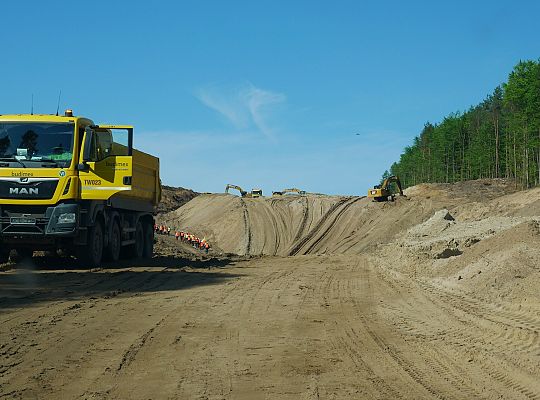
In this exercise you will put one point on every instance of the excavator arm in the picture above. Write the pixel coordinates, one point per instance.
(382, 192)
(243, 193)
(391, 179)
(398, 183)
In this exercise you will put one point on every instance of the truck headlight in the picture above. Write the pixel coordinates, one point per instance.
(67, 218)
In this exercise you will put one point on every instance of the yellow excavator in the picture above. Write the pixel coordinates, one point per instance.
(255, 193)
(384, 192)
(292, 190)
(243, 193)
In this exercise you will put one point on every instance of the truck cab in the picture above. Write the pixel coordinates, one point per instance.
(67, 183)
(256, 193)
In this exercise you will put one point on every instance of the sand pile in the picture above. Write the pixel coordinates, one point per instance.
(267, 226)
(174, 197)
(445, 233)
(296, 225)
(506, 264)
(441, 236)
(486, 249)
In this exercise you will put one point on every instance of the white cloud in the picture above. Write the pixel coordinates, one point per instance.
(231, 108)
(245, 107)
(170, 142)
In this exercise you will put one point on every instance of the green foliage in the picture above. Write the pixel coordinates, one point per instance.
(385, 175)
(499, 137)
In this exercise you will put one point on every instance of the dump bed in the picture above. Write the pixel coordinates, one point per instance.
(146, 185)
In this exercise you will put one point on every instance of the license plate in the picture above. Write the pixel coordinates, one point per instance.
(22, 221)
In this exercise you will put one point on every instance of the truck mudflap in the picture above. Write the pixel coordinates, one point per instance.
(58, 221)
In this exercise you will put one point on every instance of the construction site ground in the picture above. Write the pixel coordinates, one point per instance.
(433, 296)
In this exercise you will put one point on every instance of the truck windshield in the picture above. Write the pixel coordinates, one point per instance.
(36, 144)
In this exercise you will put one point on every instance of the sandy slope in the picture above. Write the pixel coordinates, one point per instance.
(313, 224)
(435, 296)
(293, 225)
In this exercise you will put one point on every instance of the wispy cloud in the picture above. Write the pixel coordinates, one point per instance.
(226, 105)
(245, 107)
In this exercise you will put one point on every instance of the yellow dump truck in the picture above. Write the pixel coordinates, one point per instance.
(256, 193)
(69, 184)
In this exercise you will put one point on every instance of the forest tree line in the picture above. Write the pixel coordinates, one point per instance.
(498, 138)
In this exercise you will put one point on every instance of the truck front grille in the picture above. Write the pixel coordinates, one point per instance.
(28, 188)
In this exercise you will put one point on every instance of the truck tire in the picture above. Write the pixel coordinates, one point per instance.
(4, 256)
(148, 250)
(91, 254)
(112, 251)
(23, 254)
(139, 241)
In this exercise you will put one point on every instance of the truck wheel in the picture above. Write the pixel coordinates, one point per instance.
(23, 254)
(148, 250)
(113, 249)
(92, 253)
(139, 240)
(4, 256)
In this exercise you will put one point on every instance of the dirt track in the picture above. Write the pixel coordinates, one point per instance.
(387, 322)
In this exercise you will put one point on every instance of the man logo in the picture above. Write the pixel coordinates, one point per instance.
(24, 191)
(24, 180)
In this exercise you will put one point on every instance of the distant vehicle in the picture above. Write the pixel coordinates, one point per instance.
(255, 193)
(292, 190)
(243, 193)
(384, 191)
(69, 184)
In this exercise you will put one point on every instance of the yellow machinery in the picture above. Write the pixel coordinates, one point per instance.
(243, 193)
(292, 190)
(67, 183)
(255, 193)
(383, 191)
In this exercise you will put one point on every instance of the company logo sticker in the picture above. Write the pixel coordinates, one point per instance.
(23, 191)
(62, 173)
(19, 174)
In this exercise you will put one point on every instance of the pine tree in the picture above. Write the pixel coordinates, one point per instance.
(500, 137)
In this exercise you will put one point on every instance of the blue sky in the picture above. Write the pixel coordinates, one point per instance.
(271, 94)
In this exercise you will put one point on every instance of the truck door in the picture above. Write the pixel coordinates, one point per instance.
(107, 161)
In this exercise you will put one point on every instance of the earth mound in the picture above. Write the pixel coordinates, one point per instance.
(429, 219)
(174, 197)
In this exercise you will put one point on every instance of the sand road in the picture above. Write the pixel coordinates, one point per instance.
(332, 327)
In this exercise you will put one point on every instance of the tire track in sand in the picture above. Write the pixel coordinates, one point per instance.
(304, 221)
(473, 332)
(334, 222)
(296, 248)
(247, 226)
(432, 363)
(333, 215)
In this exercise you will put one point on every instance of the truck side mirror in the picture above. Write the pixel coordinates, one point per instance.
(88, 139)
